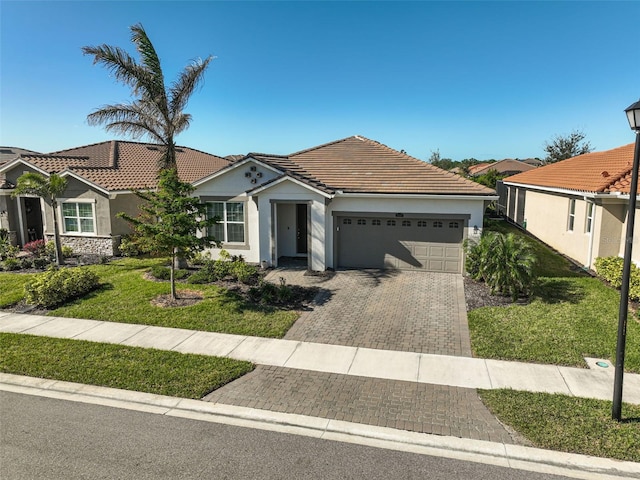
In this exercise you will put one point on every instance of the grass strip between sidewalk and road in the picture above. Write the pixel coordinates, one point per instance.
(129, 368)
(568, 424)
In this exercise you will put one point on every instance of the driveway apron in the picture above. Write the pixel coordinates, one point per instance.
(407, 311)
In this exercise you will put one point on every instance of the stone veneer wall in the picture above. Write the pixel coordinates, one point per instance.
(91, 245)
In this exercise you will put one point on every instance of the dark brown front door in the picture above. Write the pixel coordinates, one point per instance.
(301, 228)
(33, 215)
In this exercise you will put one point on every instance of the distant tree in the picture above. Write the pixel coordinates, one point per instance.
(50, 189)
(568, 146)
(489, 179)
(444, 163)
(180, 218)
(156, 112)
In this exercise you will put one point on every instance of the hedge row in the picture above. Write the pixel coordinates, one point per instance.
(57, 286)
(610, 269)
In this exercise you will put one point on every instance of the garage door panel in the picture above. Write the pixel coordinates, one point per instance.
(424, 244)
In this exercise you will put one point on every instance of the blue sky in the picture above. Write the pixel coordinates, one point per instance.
(470, 79)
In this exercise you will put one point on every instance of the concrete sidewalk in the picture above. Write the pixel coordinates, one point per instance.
(594, 382)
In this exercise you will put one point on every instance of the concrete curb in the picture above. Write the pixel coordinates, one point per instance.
(504, 455)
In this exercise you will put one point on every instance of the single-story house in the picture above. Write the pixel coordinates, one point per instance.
(349, 203)
(502, 167)
(578, 206)
(100, 178)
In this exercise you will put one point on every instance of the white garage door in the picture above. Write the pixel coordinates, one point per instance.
(430, 244)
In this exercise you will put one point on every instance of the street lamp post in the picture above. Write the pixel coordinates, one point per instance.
(633, 114)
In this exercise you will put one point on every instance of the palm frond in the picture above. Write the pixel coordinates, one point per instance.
(190, 78)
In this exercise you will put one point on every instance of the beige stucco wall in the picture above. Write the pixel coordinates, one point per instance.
(547, 218)
(127, 203)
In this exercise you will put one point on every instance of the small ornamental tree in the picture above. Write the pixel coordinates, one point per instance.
(172, 220)
(50, 189)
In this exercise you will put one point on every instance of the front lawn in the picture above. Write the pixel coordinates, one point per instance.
(568, 424)
(130, 368)
(571, 316)
(125, 296)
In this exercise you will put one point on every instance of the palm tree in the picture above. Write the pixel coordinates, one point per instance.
(51, 188)
(156, 112)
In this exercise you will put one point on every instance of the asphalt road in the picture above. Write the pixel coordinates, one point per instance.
(55, 439)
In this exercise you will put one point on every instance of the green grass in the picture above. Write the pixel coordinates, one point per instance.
(126, 297)
(578, 318)
(568, 424)
(11, 287)
(131, 368)
(571, 316)
(550, 263)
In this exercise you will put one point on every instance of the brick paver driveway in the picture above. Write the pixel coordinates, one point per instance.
(409, 311)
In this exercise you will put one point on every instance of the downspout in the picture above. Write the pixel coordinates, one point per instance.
(591, 235)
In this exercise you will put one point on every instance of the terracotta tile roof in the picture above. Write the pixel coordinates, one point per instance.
(502, 166)
(596, 172)
(120, 165)
(359, 165)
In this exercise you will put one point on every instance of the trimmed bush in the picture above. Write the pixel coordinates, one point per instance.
(226, 269)
(11, 264)
(610, 269)
(164, 273)
(54, 287)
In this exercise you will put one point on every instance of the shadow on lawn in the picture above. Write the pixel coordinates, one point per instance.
(557, 290)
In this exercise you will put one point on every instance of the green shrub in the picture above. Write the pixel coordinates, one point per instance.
(164, 273)
(610, 269)
(244, 273)
(41, 262)
(268, 293)
(50, 250)
(506, 263)
(26, 262)
(10, 264)
(55, 286)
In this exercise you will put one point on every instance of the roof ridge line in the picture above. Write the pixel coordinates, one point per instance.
(359, 137)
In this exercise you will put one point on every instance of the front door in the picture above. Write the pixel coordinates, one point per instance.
(301, 228)
(33, 216)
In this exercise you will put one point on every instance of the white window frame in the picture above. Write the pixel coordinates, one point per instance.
(61, 217)
(571, 219)
(224, 222)
(588, 221)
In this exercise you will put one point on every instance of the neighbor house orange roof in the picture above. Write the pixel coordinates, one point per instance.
(596, 172)
(359, 165)
(119, 165)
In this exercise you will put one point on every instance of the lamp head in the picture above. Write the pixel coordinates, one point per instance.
(633, 115)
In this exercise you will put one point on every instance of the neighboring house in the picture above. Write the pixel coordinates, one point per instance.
(578, 206)
(478, 166)
(100, 181)
(349, 203)
(7, 154)
(503, 167)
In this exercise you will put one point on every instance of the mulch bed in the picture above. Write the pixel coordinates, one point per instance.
(477, 295)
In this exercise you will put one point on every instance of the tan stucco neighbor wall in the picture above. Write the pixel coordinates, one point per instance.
(547, 218)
